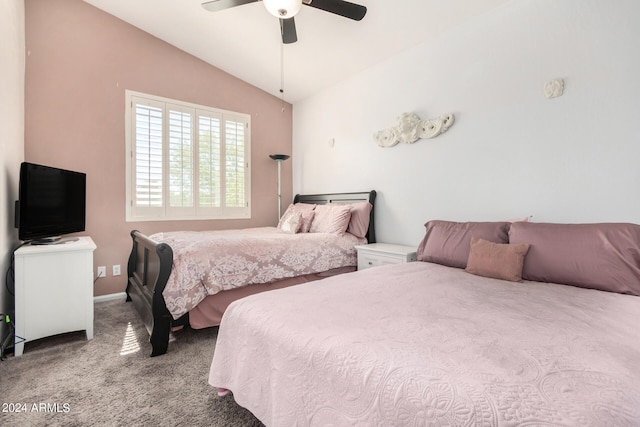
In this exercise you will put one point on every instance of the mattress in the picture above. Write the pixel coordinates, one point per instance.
(207, 262)
(426, 344)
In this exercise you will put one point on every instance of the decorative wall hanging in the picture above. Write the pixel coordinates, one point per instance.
(410, 128)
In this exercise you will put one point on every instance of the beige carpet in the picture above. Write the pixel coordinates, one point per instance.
(111, 380)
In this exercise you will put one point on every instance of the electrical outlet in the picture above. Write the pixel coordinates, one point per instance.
(102, 271)
(116, 270)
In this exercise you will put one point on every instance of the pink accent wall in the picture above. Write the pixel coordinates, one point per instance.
(79, 62)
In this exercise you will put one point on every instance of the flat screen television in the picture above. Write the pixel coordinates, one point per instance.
(52, 202)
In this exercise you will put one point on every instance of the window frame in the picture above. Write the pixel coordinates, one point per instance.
(166, 212)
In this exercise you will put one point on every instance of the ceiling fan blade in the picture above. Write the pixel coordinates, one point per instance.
(288, 30)
(339, 7)
(216, 5)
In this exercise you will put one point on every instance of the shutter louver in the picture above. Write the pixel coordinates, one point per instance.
(180, 159)
(234, 163)
(148, 156)
(209, 161)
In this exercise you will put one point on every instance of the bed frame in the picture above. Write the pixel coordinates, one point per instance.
(150, 265)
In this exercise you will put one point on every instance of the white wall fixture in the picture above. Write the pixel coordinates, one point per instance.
(553, 88)
(410, 128)
(279, 158)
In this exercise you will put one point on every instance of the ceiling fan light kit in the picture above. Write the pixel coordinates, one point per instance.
(283, 8)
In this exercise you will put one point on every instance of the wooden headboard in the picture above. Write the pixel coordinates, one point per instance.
(344, 198)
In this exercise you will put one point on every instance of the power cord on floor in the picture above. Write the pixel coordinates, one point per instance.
(9, 283)
(6, 342)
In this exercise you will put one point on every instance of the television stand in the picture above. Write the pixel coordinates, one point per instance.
(54, 290)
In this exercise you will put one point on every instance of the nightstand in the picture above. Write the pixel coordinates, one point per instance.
(376, 254)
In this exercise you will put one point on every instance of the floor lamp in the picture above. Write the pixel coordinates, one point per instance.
(279, 158)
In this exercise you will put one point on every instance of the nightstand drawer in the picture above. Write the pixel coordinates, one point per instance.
(374, 260)
(377, 254)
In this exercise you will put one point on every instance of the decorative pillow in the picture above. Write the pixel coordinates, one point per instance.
(331, 218)
(290, 222)
(448, 243)
(307, 212)
(306, 221)
(603, 256)
(306, 215)
(498, 260)
(360, 215)
(290, 209)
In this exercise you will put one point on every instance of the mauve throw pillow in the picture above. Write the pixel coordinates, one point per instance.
(498, 260)
(360, 215)
(448, 243)
(604, 256)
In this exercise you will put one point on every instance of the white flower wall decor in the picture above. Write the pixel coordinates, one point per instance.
(553, 88)
(410, 128)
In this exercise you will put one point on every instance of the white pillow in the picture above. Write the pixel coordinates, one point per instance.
(290, 222)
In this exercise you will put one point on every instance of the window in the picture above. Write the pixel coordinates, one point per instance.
(185, 161)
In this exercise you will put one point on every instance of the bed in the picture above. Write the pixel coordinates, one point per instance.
(190, 278)
(497, 324)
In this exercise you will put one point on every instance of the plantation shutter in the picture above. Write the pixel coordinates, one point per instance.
(235, 162)
(180, 160)
(209, 161)
(186, 161)
(147, 158)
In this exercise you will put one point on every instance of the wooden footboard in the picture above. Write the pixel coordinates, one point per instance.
(148, 270)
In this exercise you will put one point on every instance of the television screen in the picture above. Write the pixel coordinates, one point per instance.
(51, 202)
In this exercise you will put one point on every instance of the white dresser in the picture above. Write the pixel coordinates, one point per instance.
(53, 290)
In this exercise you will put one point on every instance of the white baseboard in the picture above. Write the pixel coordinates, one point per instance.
(110, 297)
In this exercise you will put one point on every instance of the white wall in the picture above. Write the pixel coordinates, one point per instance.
(511, 151)
(12, 66)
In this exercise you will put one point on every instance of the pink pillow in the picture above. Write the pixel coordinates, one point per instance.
(448, 243)
(306, 218)
(360, 215)
(603, 256)
(498, 260)
(331, 218)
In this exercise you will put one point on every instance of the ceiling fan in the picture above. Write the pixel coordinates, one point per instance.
(285, 10)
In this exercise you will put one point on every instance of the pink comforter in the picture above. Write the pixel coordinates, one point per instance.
(424, 344)
(207, 262)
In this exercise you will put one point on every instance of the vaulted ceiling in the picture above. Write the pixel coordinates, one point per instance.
(245, 40)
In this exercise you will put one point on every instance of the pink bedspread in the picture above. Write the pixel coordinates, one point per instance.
(207, 262)
(424, 344)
